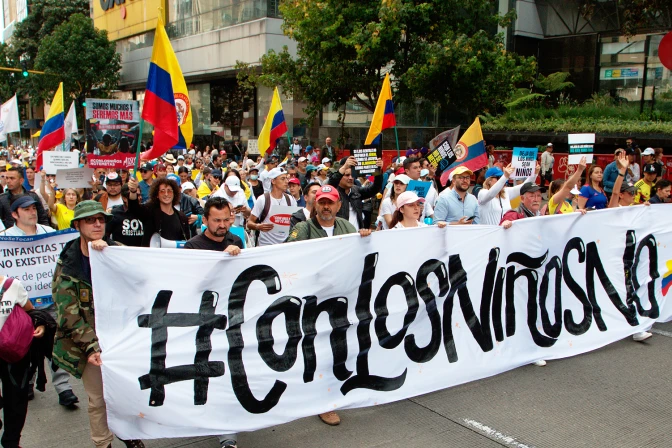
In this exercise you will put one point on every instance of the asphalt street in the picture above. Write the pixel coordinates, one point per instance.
(618, 396)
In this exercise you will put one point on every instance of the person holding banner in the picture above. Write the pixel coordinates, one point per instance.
(76, 348)
(457, 206)
(560, 192)
(408, 210)
(593, 194)
(389, 204)
(260, 217)
(159, 214)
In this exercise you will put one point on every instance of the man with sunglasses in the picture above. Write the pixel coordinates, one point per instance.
(457, 206)
(211, 183)
(76, 348)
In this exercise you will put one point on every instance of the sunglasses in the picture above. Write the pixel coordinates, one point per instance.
(94, 219)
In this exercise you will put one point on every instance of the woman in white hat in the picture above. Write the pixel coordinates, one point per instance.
(389, 205)
(409, 208)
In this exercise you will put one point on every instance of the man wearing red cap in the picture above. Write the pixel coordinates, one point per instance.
(322, 224)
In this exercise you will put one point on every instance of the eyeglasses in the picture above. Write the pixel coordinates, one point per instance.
(166, 192)
(462, 177)
(94, 219)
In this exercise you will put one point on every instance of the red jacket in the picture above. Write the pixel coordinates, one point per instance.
(512, 215)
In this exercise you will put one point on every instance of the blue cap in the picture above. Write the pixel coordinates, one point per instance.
(216, 173)
(494, 172)
(22, 202)
(174, 177)
(309, 148)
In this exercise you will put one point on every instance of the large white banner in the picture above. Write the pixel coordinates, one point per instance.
(32, 260)
(201, 343)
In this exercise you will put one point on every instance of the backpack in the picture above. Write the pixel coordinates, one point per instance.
(17, 333)
(264, 212)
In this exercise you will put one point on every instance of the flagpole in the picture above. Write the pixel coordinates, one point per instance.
(396, 136)
(63, 109)
(137, 151)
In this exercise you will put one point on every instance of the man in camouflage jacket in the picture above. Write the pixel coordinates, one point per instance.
(76, 346)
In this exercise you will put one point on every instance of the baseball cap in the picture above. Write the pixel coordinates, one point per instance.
(233, 166)
(174, 177)
(309, 148)
(328, 192)
(216, 173)
(404, 179)
(113, 177)
(649, 168)
(275, 172)
(326, 160)
(302, 159)
(628, 187)
(549, 145)
(321, 167)
(294, 180)
(187, 186)
(462, 170)
(233, 183)
(648, 152)
(180, 157)
(408, 197)
(22, 202)
(494, 172)
(529, 187)
(146, 167)
(424, 172)
(269, 159)
(630, 151)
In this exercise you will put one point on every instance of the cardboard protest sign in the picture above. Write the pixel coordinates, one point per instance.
(366, 161)
(112, 128)
(280, 215)
(580, 145)
(53, 161)
(74, 178)
(524, 160)
(420, 188)
(443, 155)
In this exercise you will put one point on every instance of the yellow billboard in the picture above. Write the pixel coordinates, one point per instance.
(123, 18)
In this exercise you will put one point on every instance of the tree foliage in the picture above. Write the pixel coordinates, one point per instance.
(634, 15)
(547, 90)
(84, 59)
(443, 50)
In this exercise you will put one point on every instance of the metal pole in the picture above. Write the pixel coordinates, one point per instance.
(396, 136)
(647, 44)
(137, 151)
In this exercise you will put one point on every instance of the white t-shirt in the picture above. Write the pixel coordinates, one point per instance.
(400, 226)
(307, 213)
(15, 295)
(15, 231)
(265, 181)
(329, 230)
(386, 208)
(236, 200)
(268, 238)
(352, 217)
(296, 149)
(112, 202)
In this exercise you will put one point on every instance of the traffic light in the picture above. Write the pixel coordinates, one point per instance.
(24, 69)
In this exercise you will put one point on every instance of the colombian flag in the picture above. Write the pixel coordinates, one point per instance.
(53, 131)
(667, 278)
(167, 106)
(383, 117)
(470, 151)
(274, 126)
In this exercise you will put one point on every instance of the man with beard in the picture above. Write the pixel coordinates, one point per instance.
(325, 223)
(457, 206)
(352, 196)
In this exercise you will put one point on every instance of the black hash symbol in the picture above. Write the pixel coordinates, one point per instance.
(202, 369)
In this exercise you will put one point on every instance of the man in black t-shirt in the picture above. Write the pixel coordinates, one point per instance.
(218, 218)
(125, 227)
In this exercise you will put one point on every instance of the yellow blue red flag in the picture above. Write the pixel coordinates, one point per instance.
(167, 106)
(274, 126)
(383, 116)
(470, 151)
(53, 131)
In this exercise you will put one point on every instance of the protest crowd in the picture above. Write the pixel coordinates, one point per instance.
(203, 200)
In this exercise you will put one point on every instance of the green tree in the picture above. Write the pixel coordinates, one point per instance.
(634, 15)
(442, 50)
(8, 80)
(83, 58)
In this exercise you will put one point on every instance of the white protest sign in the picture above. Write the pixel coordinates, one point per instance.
(280, 216)
(74, 178)
(263, 341)
(252, 147)
(580, 145)
(524, 160)
(56, 160)
(32, 260)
